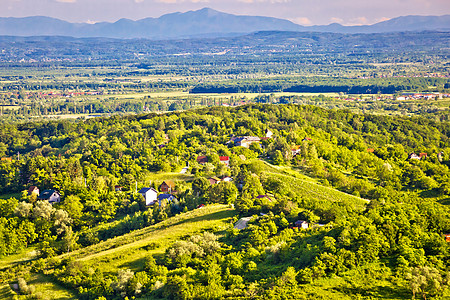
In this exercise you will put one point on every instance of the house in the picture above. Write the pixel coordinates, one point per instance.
(370, 150)
(225, 160)
(306, 139)
(413, 156)
(242, 156)
(6, 158)
(214, 180)
(202, 159)
(295, 150)
(423, 155)
(227, 179)
(150, 195)
(118, 188)
(246, 141)
(167, 186)
(33, 190)
(447, 237)
(51, 196)
(301, 224)
(164, 198)
(269, 133)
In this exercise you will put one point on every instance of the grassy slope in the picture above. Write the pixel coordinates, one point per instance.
(309, 187)
(129, 250)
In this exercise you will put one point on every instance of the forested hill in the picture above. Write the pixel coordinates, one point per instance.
(281, 43)
(337, 206)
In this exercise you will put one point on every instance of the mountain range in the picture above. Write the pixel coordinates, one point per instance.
(205, 22)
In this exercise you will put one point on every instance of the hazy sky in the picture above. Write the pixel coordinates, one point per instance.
(305, 12)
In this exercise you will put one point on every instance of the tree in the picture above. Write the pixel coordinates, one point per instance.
(43, 209)
(72, 204)
(425, 280)
(278, 158)
(223, 192)
(23, 209)
(200, 185)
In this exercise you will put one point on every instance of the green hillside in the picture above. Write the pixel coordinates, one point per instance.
(338, 207)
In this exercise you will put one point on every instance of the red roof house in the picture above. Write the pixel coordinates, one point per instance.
(225, 160)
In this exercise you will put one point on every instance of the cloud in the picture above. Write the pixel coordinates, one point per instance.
(138, 1)
(302, 21)
(358, 21)
(336, 20)
(381, 19)
(66, 1)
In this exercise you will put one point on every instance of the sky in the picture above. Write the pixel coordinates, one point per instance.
(304, 12)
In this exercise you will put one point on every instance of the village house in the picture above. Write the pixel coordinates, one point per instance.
(447, 237)
(165, 198)
(167, 186)
(301, 224)
(225, 160)
(440, 156)
(150, 195)
(246, 141)
(33, 190)
(227, 179)
(214, 180)
(295, 150)
(269, 133)
(117, 188)
(423, 155)
(51, 196)
(202, 159)
(413, 156)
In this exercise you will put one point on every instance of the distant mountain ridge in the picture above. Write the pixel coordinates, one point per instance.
(203, 22)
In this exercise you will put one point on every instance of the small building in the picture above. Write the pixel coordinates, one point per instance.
(202, 159)
(269, 133)
(423, 155)
(6, 158)
(413, 156)
(370, 150)
(246, 141)
(214, 180)
(227, 179)
(447, 237)
(440, 156)
(242, 157)
(295, 150)
(118, 188)
(225, 160)
(167, 186)
(306, 139)
(150, 195)
(51, 196)
(301, 224)
(33, 190)
(162, 198)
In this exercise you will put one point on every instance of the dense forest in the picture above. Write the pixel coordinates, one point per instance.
(375, 214)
